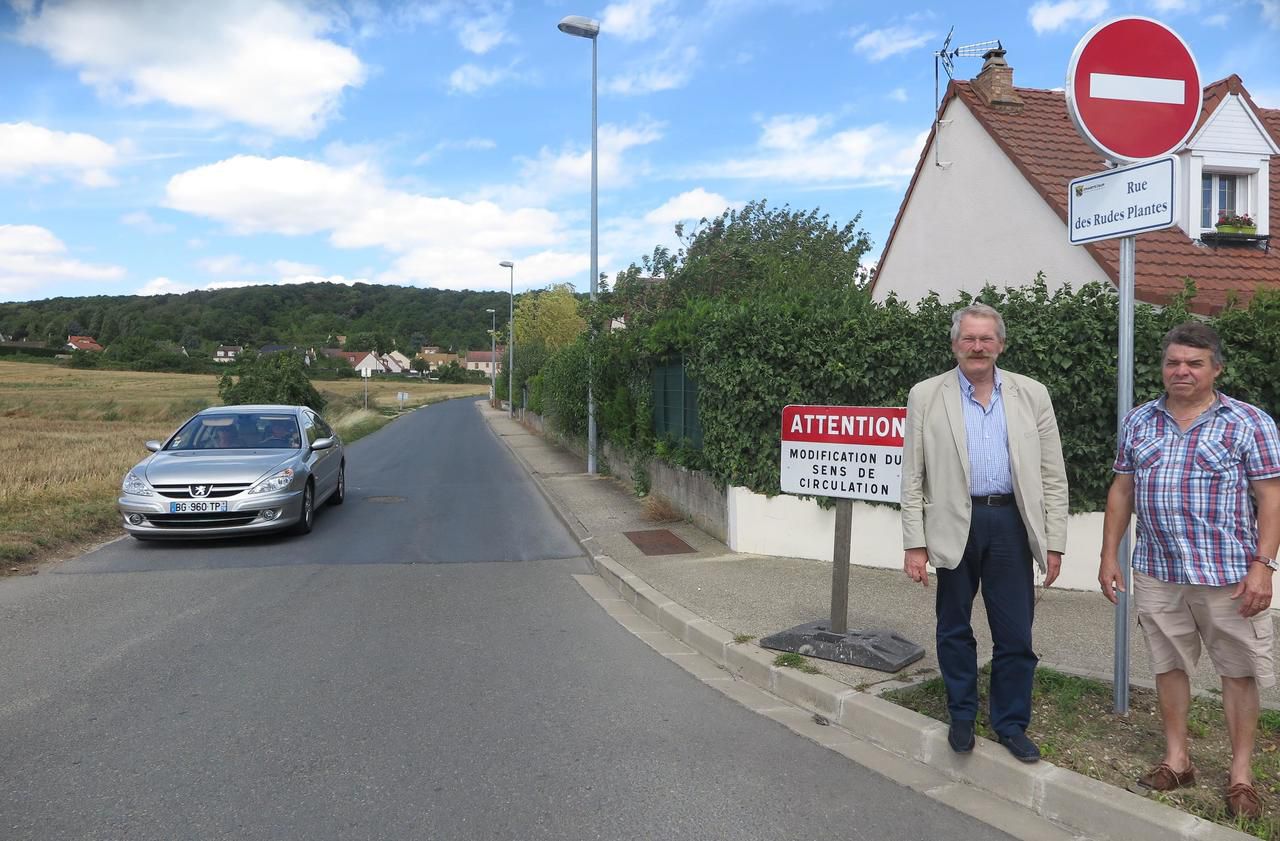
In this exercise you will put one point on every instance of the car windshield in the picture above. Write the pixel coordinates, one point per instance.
(238, 431)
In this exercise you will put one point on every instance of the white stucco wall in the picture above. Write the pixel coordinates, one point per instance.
(977, 221)
(798, 528)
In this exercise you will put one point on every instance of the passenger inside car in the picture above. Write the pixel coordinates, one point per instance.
(281, 433)
(225, 438)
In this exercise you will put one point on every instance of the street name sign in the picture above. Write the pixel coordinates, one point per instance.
(1122, 202)
(847, 452)
(1133, 89)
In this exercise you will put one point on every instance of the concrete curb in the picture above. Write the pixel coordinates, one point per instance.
(1085, 805)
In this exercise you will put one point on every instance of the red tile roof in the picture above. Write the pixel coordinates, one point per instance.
(84, 343)
(1045, 147)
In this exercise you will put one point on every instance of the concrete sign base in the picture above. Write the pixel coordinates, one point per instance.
(878, 649)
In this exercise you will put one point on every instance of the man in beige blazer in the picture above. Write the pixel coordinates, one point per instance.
(984, 491)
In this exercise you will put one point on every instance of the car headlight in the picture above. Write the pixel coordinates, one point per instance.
(271, 484)
(136, 485)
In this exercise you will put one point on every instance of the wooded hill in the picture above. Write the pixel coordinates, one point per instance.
(306, 314)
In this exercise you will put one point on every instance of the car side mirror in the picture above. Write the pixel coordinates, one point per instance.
(322, 443)
(154, 446)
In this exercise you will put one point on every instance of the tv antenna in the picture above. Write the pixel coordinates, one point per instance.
(945, 58)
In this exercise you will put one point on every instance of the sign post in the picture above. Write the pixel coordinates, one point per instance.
(845, 452)
(1133, 92)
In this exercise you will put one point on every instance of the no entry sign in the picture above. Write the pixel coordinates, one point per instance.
(850, 452)
(1133, 89)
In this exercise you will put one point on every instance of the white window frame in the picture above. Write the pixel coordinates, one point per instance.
(1246, 199)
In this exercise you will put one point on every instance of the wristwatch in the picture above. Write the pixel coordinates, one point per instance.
(1269, 563)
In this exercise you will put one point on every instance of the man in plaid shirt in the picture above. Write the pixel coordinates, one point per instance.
(1202, 471)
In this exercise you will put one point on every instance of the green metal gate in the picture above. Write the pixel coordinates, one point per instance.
(675, 405)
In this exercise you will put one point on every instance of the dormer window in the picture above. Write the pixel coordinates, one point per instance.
(1220, 193)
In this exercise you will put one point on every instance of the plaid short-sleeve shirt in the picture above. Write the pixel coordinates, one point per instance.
(1195, 519)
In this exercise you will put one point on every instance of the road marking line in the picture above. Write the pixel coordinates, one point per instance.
(1137, 88)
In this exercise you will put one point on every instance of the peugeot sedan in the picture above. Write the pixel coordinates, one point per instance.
(233, 471)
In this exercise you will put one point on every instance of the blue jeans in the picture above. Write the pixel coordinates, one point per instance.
(996, 558)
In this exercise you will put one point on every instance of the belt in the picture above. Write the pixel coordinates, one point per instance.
(993, 500)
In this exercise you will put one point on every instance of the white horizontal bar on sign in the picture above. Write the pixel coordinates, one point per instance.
(1137, 88)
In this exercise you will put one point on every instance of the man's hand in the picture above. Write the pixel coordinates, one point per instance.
(1110, 578)
(1254, 590)
(1053, 567)
(915, 563)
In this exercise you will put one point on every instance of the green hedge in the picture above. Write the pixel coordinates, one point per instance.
(752, 357)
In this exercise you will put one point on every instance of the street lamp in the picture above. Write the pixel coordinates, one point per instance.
(581, 27)
(493, 354)
(511, 340)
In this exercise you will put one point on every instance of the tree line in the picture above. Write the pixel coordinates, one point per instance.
(306, 315)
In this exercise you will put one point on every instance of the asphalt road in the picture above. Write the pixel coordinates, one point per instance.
(421, 666)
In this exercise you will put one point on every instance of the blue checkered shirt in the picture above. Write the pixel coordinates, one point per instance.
(987, 435)
(1196, 521)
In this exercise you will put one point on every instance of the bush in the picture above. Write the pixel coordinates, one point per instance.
(276, 378)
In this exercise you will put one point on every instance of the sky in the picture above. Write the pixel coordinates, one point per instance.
(158, 146)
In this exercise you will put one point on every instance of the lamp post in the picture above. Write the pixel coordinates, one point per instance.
(511, 339)
(582, 27)
(493, 354)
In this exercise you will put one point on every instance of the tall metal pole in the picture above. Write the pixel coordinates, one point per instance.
(1124, 402)
(493, 355)
(595, 274)
(511, 342)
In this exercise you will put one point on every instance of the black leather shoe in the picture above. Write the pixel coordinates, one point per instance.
(1022, 748)
(960, 736)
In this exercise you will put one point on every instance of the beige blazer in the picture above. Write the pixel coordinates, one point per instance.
(936, 505)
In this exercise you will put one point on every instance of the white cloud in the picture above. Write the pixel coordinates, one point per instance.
(795, 149)
(316, 278)
(436, 240)
(479, 35)
(634, 20)
(27, 149)
(694, 204)
(471, 143)
(163, 286)
(228, 264)
(670, 69)
(1049, 17)
(898, 94)
(1271, 12)
(569, 170)
(1219, 20)
(470, 78)
(880, 44)
(31, 257)
(288, 267)
(1173, 6)
(142, 220)
(264, 63)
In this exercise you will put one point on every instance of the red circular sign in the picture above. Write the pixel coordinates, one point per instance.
(1133, 90)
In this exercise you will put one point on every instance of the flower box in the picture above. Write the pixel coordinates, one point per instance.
(1247, 230)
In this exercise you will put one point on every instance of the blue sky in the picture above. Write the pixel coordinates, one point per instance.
(167, 145)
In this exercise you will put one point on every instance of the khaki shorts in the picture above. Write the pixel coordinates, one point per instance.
(1176, 617)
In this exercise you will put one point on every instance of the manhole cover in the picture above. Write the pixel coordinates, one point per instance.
(658, 542)
(384, 500)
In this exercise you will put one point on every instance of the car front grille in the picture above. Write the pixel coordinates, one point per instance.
(211, 520)
(184, 491)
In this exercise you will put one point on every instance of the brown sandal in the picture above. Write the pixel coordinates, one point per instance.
(1164, 778)
(1243, 801)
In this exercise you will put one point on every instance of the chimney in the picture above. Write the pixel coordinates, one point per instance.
(994, 84)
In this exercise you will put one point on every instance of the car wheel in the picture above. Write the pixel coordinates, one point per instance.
(340, 492)
(308, 518)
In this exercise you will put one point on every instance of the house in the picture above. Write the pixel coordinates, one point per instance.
(402, 362)
(227, 353)
(436, 359)
(988, 199)
(308, 356)
(483, 360)
(83, 343)
(390, 364)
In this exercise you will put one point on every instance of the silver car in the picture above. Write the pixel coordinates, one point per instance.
(233, 471)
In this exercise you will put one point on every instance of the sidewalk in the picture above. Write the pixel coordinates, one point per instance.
(709, 596)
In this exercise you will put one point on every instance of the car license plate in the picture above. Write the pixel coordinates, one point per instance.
(197, 507)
